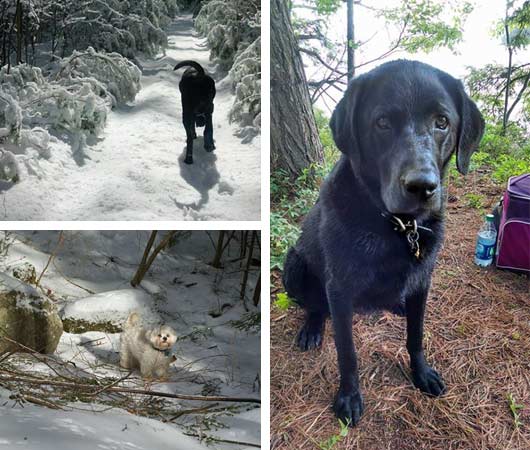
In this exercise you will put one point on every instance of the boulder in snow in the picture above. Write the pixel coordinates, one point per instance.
(27, 317)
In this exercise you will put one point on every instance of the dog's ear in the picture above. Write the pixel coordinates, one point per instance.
(343, 121)
(470, 131)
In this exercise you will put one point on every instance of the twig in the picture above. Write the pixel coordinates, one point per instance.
(132, 391)
(192, 411)
(244, 444)
(59, 243)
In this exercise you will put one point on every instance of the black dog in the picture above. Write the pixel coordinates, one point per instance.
(371, 240)
(198, 91)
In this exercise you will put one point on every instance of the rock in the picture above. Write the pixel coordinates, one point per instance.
(108, 311)
(27, 317)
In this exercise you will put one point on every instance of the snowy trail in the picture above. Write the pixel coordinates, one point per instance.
(136, 170)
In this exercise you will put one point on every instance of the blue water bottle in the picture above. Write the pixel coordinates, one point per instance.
(486, 239)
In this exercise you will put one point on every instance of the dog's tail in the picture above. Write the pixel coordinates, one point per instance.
(294, 275)
(132, 321)
(193, 64)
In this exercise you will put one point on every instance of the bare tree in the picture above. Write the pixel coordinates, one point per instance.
(148, 258)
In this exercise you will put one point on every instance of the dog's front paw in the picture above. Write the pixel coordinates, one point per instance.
(429, 381)
(209, 147)
(349, 407)
(309, 337)
(189, 159)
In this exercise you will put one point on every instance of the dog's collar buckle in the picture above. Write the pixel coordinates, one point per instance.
(410, 228)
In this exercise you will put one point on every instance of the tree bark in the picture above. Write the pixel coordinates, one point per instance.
(295, 143)
(351, 41)
(219, 250)
(247, 268)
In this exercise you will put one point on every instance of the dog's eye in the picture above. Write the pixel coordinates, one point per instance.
(441, 122)
(159, 335)
(383, 123)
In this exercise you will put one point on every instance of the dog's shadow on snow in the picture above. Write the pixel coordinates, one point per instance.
(202, 175)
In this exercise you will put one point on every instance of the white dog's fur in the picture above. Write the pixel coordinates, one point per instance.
(147, 350)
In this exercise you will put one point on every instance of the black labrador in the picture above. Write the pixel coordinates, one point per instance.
(197, 90)
(371, 240)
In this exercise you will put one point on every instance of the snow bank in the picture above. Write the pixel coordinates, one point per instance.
(112, 306)
(246, 78)
(233, 31)
(74, 99)
(121, 26)
(109, 74)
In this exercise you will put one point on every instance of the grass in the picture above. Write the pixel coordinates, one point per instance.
(332, 441)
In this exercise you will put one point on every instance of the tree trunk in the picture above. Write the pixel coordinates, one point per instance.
(148, 260)
(247, 268)
(219, 250)
(509, 77)
(351, 42)
(18, 20)
(295, 143)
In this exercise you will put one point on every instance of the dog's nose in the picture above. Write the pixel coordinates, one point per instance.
(164, 338)
(422, 184)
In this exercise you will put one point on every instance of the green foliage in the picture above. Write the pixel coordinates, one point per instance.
(506, 166)
(475, 201)
(292, 201)
(330, 443)
(479, 159)
(518, 21)
(424, 25)
(327, 7)
(283, 302)
(514, 408)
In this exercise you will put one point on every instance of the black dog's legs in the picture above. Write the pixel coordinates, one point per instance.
(189, 125)
(348, 404)
(208, 134)
(425, 378)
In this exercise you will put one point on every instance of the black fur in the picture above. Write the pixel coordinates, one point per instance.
(198, 91)
(390, 129)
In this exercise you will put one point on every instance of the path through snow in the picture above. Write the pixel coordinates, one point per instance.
(136, 170)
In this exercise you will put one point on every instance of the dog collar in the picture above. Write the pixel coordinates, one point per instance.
(410, 229)
(164, 352)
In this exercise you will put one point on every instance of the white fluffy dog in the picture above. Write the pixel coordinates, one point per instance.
(147, 350)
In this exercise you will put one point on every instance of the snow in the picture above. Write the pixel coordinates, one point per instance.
(10, 284)
(197, 300)
(113, 306)
(134, 170)
(33, 427)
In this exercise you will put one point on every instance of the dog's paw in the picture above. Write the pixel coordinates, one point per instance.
(429, 381)
(209, 148)
(349, 407)
(189, 159)
(309, 337)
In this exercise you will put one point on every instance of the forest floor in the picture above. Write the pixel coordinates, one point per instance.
(88, 279)
(477, 335)
(136, 170)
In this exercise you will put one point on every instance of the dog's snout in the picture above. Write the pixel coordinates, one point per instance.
(422, 184)
(164, 338)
